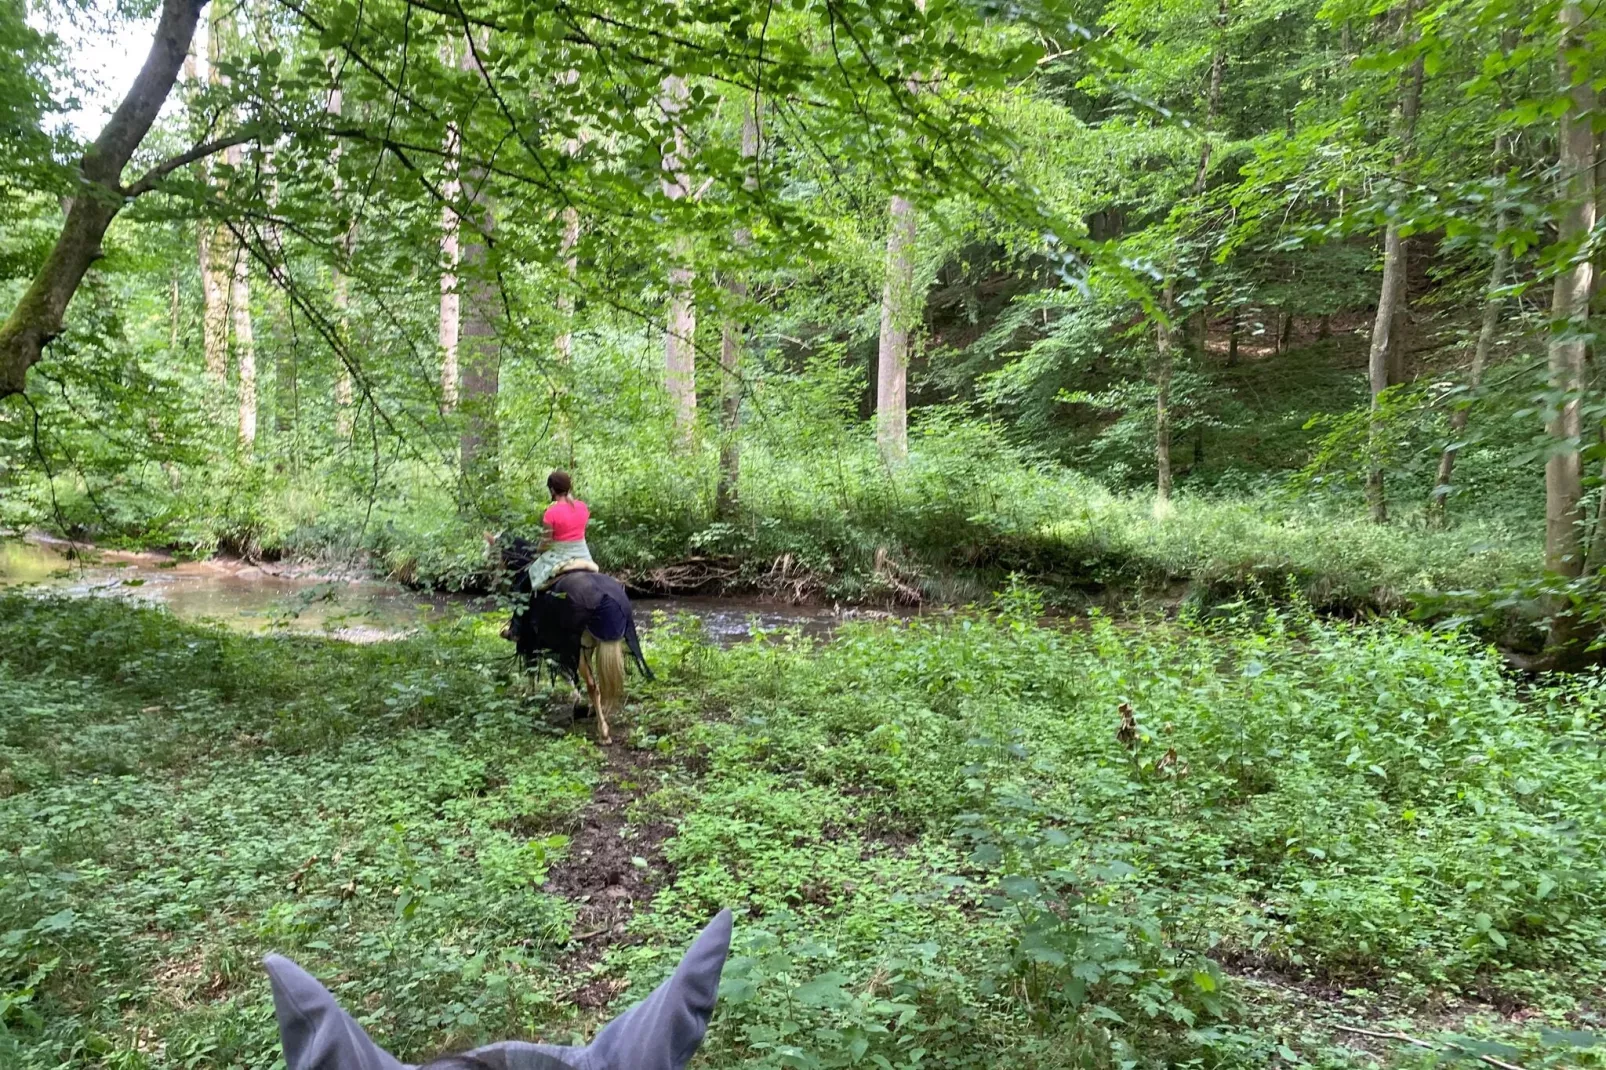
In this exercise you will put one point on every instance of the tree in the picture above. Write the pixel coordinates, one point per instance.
(212, 241)
(900, 314)
(451, 302)
(480, 343)
(680, 332)
(37, 317)
(733, 337)
(1384, 357)
(340, 284)
(1569, 311)
(244, 341)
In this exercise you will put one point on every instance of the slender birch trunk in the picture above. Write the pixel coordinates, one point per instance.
(900, 314)
(479, 339)
(1384, 359)
(1162, 400)
(451, 301)
(244, 349)
(680, 351)
(563, 341)
(898, 317)
(563, 344)
(213, 249)
(340, 292)
(480, 347)
(733, 338)
(568, 247)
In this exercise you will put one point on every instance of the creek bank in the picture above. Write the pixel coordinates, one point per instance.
(350, 600)
(308, 598)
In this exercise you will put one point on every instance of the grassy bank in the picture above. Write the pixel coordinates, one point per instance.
(943, 848)
(831, 521)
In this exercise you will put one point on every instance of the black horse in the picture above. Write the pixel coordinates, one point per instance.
(580, 626)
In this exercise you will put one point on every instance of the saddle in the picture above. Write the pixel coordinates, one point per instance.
(579, 564)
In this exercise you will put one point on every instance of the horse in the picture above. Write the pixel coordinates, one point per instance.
(580, 625)
(662, 1032)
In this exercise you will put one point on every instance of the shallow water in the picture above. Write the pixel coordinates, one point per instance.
(253, 598)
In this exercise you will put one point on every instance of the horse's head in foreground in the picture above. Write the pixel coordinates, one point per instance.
(661, 1032)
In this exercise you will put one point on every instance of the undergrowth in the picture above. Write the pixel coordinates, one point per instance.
(965, 842)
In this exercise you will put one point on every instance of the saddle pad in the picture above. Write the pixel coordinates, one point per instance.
(579, 564)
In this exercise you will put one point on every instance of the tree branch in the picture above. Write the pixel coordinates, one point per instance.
(37, 317)
(149, 180)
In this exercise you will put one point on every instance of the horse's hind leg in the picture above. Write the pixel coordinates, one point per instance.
(595, 695)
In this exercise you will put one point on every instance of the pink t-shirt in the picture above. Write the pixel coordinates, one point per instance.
(567, 520)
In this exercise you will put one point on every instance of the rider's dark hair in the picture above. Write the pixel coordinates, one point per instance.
(559, 483)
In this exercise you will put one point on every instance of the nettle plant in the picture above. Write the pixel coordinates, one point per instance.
(794, 1000)
(1087, 950)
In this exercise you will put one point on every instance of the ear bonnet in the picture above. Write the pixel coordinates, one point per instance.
(661, 1032)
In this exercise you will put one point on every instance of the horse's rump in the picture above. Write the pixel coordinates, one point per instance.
(552, 626)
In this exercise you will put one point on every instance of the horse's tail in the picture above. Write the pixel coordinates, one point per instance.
(609, 659)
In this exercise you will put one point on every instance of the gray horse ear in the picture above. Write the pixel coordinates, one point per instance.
(662, 1032)
(315, 1032)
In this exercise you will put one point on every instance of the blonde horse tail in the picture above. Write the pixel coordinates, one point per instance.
(609, 659)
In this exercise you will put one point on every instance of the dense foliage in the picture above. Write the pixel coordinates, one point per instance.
(945, 847)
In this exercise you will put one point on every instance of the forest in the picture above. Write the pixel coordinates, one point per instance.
(1113, 493)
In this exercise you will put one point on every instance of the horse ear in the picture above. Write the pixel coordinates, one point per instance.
(315, 1032)
(662, 1032)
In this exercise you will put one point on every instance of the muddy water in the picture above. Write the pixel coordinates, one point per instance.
(356, 609)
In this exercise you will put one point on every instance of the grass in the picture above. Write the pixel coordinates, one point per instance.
(940, 848)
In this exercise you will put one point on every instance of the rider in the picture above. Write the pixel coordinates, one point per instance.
(563, 544)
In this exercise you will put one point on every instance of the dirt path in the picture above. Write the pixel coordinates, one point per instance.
(610, 867)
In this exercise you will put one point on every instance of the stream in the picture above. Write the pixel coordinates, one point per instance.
(360, 609)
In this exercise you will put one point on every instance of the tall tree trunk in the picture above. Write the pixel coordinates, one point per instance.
(1162, 401)
(733, 338)
(37, 316)
(568, 247)
(340, 293)
(451, 302)
(899, 314)
(1437, 503)
(479, 340)
(214, 250)
(1399, 329)
(175, 311)
(480, 349)
(214, 310)
(1595, 555)
(563, 342)
(1165, 344)
(285, 402)
(1569, 312)
(680, 336)
(1384, 357)
(244, 349)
